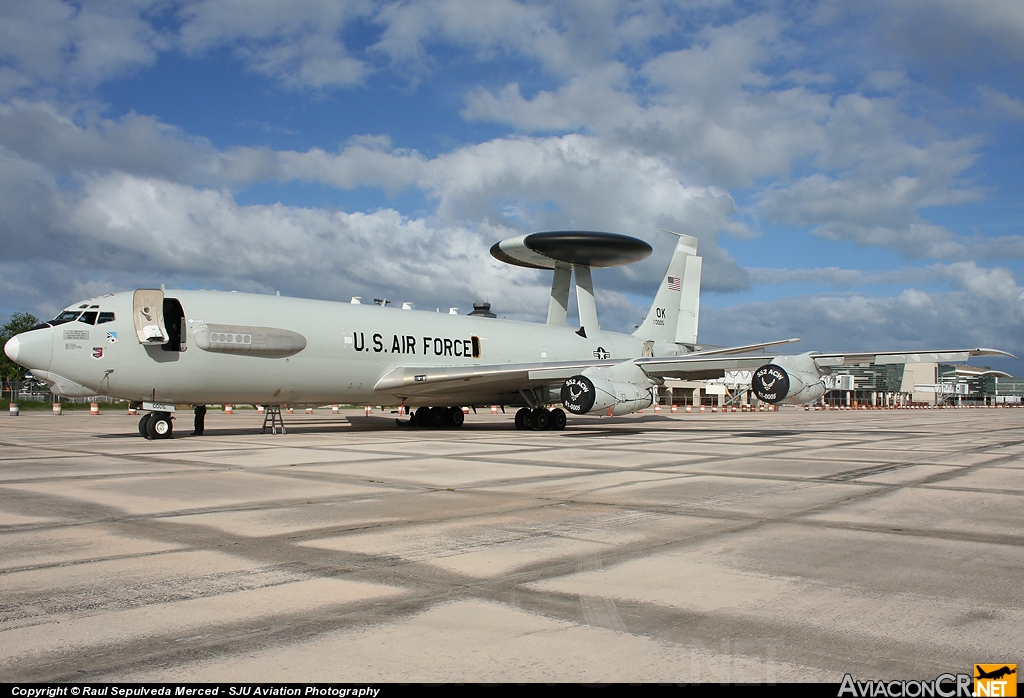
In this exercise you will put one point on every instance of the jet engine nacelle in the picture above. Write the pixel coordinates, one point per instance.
(618, 390)
(795, 378)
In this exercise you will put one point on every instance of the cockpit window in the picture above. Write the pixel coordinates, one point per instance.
(88, 317)
(66, 316)
(105, 317)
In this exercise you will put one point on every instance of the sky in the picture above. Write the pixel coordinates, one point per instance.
(853, 171)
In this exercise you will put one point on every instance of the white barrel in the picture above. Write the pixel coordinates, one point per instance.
(15, 411)
(334, 409)
(57, 408)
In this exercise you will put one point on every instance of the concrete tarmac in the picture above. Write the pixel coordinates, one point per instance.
(788, 546)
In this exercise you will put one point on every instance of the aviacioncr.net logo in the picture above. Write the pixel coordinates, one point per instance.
(943, 686)
(995, 680)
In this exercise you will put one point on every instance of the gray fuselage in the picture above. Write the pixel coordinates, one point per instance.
(347, 348)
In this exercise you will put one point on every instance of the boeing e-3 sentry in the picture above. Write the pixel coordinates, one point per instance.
(159, 348)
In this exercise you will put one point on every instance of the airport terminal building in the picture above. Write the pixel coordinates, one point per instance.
(875, 385)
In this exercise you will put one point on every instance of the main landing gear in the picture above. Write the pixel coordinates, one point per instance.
(156, 425)
(540, 419)
(436, 418)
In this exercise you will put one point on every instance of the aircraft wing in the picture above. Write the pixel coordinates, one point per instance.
(698, 366)
(904, 357)
(712, 364)
(452, 382)
(471, 383)
(721, 351)
(455, 382)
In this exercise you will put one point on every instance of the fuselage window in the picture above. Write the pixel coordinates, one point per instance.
(88, 317)
(66, 316)
(105, 317)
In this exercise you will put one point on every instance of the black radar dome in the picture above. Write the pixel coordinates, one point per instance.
(571, 247)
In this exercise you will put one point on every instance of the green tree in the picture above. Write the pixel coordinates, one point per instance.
(10, 371)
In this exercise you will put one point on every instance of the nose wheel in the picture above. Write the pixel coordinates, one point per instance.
(156, 425)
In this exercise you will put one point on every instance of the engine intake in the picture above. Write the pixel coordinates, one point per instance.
(796, 378)
(582, 394)
(770, 383)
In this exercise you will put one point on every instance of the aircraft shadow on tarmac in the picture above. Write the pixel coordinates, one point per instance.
(610, 426)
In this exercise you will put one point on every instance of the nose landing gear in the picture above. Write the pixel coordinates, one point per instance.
(156, 425)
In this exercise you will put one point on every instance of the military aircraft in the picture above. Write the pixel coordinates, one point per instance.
(159, 348)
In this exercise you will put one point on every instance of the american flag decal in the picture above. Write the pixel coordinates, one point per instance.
(673, 283)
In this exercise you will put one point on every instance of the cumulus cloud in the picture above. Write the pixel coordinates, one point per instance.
(161, 229)
(588, 100)
(298, 43)
(79, 44)
(911, 319)
(115, 220)
(997, 282)
(54, 138)
(956, 35)
(563, 38)
(1001, 104)
(523, 183)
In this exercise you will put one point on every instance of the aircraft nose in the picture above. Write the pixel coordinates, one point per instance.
(32, 349)
(11, 349)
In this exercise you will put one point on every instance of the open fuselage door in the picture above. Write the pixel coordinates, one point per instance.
(148, 312)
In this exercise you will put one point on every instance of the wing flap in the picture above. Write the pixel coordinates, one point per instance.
(697, 367)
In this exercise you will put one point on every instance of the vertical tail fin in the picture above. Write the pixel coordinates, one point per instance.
(674, 315)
